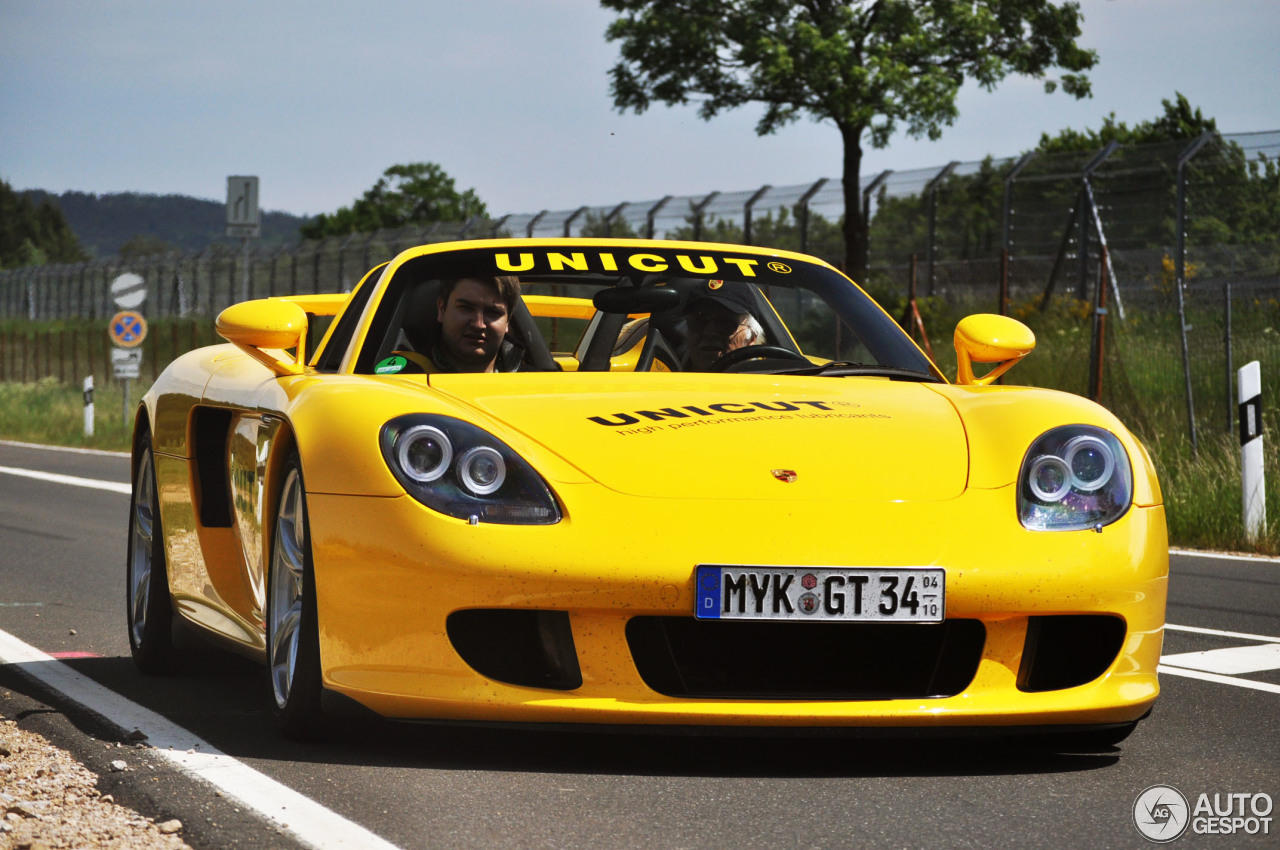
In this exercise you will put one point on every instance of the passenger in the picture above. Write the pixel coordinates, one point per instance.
(719, 320)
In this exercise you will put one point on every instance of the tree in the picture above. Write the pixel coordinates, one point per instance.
(866, 66)
(1179, 121)
(33, 235)
(416, 193)
(145, 245)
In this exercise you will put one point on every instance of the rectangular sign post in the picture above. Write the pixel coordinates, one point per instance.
(1252, 476)
(243, 220)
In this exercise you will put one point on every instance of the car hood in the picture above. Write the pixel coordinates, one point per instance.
(735, 437)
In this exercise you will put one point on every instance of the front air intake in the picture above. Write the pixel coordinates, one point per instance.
(1068, 650)
(684, 657)
(533, 649)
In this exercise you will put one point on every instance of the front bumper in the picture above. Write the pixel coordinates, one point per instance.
(389, 572)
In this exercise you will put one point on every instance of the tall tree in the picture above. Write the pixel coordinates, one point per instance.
(416, 193)
(866, 66)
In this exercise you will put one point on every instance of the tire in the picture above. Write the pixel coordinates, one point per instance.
(148, 606)
(293, 642)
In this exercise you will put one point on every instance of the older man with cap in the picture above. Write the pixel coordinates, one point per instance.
(720, 319)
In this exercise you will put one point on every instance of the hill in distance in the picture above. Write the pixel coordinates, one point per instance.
(103, 223)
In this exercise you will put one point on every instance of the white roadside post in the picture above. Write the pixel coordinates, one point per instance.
(88, 406)
(1252, 477)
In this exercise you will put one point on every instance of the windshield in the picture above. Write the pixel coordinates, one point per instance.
(631, 306)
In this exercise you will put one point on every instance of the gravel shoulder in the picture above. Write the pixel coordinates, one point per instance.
(50, 800)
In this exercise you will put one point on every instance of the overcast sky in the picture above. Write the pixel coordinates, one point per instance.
(511, 97)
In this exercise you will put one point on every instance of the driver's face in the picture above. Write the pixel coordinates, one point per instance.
(473, 324)
(714, 331)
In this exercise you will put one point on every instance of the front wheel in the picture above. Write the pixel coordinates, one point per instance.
(293, 643)
(148, 606)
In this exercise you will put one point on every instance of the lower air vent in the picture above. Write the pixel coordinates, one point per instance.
(684, 657)
(1068, 650)
(529, 648)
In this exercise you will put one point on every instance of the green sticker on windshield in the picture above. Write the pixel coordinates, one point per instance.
(393, 364)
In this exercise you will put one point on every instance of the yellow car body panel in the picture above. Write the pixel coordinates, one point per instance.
(653, 474)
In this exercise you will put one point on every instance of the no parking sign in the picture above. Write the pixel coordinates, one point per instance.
(127, 329)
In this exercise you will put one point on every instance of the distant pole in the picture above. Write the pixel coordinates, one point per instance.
(1252, 475)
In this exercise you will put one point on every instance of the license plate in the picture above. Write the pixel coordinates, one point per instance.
(898, 595)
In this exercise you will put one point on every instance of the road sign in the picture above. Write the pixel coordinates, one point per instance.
(128, 291)
(243, 218)
(127, 329)
(126, 363)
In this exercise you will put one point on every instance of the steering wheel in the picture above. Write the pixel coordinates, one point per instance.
(754, 352)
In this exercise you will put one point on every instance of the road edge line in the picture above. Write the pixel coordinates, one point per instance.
(1218, 678)
(301, 817)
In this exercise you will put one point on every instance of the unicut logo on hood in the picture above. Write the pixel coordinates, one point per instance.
(737, 408)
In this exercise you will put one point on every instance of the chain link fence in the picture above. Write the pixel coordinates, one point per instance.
(1191, 231)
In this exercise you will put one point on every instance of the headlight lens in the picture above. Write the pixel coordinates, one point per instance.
(482, 470)
(458, 469)
(424, 453)
(1074, 477)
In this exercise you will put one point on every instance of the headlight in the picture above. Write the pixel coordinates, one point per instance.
(458, 469)
(1074, 477)
(424, 453)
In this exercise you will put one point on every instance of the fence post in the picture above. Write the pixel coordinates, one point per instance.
(931, 189)
(568, 222)
(652, 214)
(1097, 350)
(1082, 225)
(533, 222)
(1006, 224)
(747, 235)
(697, 209)
(613, 214)
(497, 226)
(866, 222)
(802, 213)
(1226, 333)
(1179, 275)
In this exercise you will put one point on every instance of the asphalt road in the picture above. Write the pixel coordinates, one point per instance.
(62, 591)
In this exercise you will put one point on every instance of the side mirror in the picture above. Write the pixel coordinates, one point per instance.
(988, 338)
(258, 328)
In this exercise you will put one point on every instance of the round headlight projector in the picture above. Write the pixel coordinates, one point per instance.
(425, 453)
(1091, 462)
(1050, 478)
(482, 470)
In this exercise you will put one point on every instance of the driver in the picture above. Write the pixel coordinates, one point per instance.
(719, 320)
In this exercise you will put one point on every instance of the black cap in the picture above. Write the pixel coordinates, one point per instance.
(734, 295)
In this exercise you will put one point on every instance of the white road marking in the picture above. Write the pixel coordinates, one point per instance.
(1225, 556)
(1220, 679)
(92, 483)
(71, 449)
(303, 818)
(1231, 661)
(1219, 633)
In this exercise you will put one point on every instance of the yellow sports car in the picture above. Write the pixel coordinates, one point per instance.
(629, 482)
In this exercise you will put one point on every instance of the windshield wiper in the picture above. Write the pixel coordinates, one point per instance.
(844, 368)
